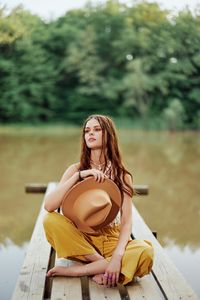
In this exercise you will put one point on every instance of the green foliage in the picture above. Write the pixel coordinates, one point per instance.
(174, 115)
(134, 62)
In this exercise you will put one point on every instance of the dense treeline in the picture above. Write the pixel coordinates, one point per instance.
(137, 62)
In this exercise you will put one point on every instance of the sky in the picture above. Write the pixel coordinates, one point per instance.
(52, 9)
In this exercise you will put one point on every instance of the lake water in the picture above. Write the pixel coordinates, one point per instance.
(168, 162)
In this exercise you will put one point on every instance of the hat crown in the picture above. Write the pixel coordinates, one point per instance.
(92, 212)
(92, 205)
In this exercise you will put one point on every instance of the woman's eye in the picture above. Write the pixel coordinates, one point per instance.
(95, 129)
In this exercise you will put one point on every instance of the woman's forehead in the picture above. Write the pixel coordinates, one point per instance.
(92, 123)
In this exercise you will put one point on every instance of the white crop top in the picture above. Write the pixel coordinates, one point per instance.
(117, 220)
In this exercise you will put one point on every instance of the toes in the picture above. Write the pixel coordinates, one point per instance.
(101, 279)
(51, 272)
(94, 279)
(98, 279)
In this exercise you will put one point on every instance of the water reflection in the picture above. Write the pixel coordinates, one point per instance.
(11, 257)
(173, 204)
(168, 163)
(29, 158)
(191, 266)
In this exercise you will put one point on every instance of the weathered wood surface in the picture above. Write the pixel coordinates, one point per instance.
(164, 271)
(140, 289)
(165, 282)
(31, 280)
(66, 287)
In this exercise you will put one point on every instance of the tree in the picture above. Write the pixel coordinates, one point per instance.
(105, 58)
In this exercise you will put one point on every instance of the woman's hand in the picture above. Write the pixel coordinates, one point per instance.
(98, 175)
(111, 275)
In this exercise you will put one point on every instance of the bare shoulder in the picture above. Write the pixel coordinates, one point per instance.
(128, 179)
(70, 171)
(76, 166)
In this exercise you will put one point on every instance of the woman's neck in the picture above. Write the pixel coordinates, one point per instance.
(97, 157)
(97, 161)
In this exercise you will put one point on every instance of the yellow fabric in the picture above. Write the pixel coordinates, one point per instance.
(71, 243)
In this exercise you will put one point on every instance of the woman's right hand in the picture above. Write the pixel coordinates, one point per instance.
(99, 176)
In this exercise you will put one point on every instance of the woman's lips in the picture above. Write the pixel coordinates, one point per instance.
(91, 139)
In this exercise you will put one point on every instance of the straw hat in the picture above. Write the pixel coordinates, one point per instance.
(91, 205)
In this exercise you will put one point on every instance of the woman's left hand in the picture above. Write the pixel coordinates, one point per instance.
(111, 275)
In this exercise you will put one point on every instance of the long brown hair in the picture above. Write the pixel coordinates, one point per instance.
(110, 151)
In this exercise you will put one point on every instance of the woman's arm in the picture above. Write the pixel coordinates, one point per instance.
(125, 228)
(114, 266)
(53, 199)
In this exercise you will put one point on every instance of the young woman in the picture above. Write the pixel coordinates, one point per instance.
(110, 255)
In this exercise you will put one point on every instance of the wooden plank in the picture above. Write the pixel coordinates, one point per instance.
(31, 280)
(165, 272)
(35, 187)
(41, 188)
(141, 189)
(99, 292)
(70, 288)
(144, 288)
(64, 288)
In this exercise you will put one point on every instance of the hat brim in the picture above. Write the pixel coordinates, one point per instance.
(88, 184)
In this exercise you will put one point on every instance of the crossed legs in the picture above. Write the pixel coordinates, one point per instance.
(137, 259)
(96, 267)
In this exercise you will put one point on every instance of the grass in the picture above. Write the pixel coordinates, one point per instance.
(150, 123)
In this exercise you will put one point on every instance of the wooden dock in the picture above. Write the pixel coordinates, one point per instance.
(164, 282)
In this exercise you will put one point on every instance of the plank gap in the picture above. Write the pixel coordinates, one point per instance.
(85, 288)
(49, 280)
(123, 292)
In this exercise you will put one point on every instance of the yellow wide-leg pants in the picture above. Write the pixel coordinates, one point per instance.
(69, 242)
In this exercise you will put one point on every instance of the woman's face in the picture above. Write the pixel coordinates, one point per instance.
(93, 134)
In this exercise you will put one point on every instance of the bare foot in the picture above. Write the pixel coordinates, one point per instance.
(57, 271)
(98, 278)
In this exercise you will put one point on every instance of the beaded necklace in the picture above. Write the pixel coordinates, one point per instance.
(99, 166)
(107, 170)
